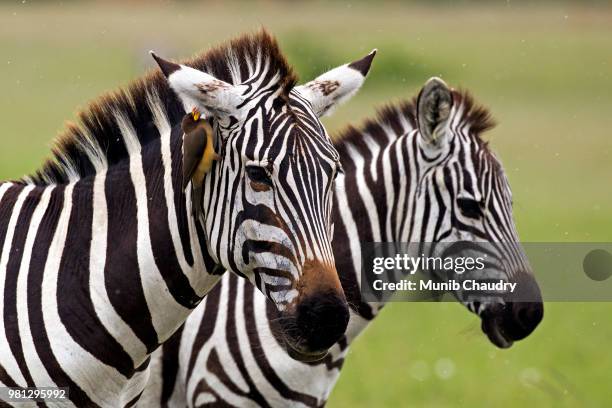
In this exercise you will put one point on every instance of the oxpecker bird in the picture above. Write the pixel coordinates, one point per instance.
(198, 155)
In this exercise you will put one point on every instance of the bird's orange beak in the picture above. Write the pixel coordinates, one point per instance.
(195, 114)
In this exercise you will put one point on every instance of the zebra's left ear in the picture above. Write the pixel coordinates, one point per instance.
(332, 88)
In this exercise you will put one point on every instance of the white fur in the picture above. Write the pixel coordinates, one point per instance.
(189, 84)
(348, 80)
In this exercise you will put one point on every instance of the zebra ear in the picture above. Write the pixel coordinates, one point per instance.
(433, 110)
(197, 89)
(336, 86)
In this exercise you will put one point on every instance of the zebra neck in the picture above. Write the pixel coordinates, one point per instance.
(374, 203)
(114, 261)
(155, 249)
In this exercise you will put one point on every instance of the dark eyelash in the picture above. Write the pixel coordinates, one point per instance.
(258, 174)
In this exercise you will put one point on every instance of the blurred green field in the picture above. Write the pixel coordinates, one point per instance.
(544, 71)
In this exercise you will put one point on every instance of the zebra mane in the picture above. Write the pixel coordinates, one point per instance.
(95, 142)
(402, 117)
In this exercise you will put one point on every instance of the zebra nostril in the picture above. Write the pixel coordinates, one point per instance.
(525, 309)
(527, 316)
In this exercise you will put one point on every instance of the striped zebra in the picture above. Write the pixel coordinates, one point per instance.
(102, 258)
(419, 172)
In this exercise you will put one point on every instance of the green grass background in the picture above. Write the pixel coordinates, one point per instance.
(544, 69)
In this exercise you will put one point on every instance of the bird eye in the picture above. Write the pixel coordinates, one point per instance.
(259, 175)
(470, 208)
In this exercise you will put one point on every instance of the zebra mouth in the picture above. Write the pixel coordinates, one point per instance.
(302, 356)
(492, 328)
(513, 321)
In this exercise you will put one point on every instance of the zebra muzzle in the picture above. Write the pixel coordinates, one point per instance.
(317, 324)
(517, 317)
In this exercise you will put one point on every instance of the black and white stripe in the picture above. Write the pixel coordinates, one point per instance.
(400, 185)
(102, 259)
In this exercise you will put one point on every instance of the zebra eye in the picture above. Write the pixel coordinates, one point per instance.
(470, 208)
(259, 175)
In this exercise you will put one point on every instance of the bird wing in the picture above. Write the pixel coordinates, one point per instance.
(194, 145)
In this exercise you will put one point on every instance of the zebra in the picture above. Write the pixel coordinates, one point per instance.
(418, 172)
(102, 257)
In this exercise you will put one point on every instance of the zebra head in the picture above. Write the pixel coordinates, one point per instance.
(266, 202)
(466, 198)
